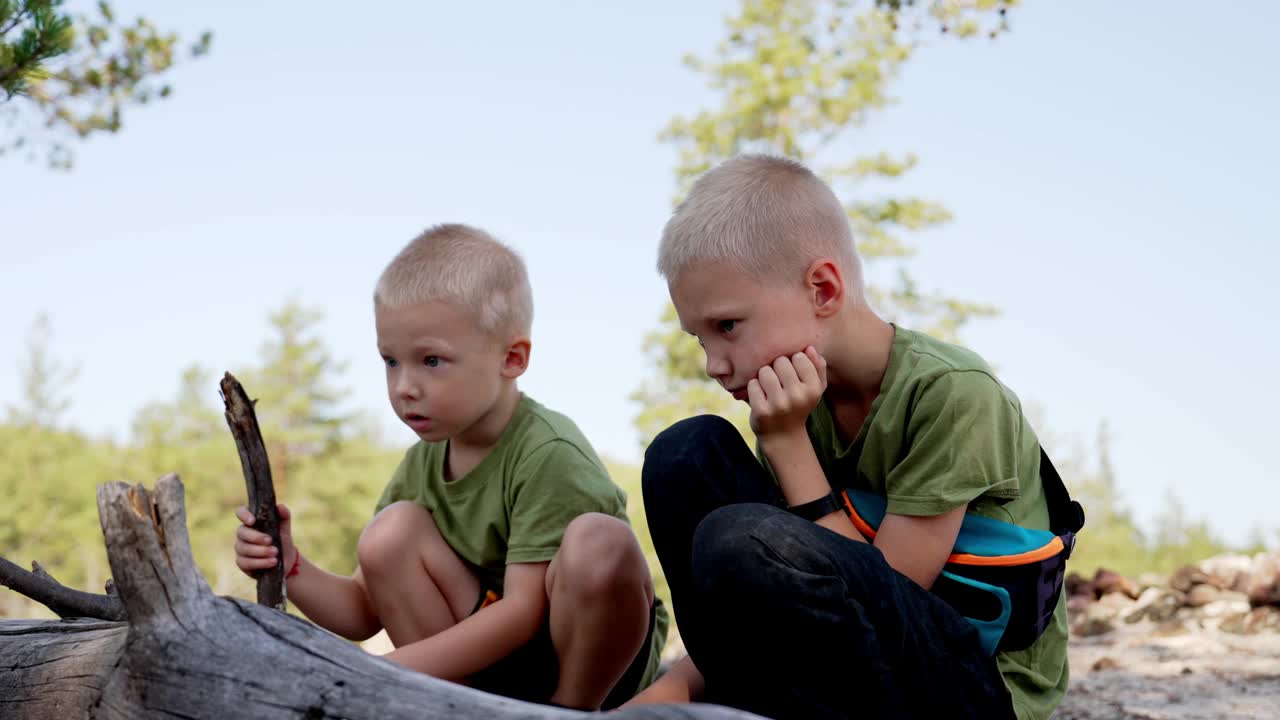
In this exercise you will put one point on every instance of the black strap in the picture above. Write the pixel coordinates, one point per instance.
(1065, 514)
(817, 509)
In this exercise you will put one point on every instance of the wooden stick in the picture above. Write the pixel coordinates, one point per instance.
(257, 480)
(62, 600)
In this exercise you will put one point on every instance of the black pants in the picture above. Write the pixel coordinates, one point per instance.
(532, 672)
(787, 619)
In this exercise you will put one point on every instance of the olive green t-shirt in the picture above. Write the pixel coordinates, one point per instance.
(514, 506)
(944, 432)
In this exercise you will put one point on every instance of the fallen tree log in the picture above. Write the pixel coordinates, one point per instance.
(185, 653)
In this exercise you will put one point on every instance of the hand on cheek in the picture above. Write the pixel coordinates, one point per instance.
(783, 393)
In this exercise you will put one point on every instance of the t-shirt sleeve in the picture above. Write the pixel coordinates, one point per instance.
(554, 484)
(963, 438)
(398, 487)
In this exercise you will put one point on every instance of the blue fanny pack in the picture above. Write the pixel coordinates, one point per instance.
(1004, 579)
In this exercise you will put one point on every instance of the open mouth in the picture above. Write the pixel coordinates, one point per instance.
(738, 394)
(419, 423)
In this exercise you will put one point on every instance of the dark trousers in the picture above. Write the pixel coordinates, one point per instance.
(787, 619)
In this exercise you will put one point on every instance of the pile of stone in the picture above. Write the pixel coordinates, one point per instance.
(1231, 593)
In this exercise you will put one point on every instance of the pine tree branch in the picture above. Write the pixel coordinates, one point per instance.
(43, 51)
(25, 12)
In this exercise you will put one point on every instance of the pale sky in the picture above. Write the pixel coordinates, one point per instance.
(1111, 168)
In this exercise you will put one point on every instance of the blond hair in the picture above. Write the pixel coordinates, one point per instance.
(466, 267)
(768, 215)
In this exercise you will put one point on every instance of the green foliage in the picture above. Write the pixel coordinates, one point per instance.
(75, 78)
(628, 478)
(333, 497)
(327, 470)
(962, 18)
(298, 398)
(1180, 539)
(32, 32)
(44, 381)
(48, 481)
(798, 79)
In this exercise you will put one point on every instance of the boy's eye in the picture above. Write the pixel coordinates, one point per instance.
(391, 362)
(432, 361)
(726, 326)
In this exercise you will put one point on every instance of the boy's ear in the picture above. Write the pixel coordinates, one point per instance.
(517, 358)
(825, 284)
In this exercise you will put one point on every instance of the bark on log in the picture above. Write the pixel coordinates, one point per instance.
(185, 653)
(56, 669)
(243, 422)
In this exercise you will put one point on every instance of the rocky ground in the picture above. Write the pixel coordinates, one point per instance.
(1136, 672)
(1204, 643)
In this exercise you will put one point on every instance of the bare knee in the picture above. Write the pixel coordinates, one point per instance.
(389, 539)
(600, 559)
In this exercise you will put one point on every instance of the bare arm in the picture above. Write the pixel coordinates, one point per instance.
(681, 684)
(334, 602)
(801, 478)
(918, 546)
(484, 638)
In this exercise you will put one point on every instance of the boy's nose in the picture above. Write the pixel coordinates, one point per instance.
(717, 366)
(406, 387)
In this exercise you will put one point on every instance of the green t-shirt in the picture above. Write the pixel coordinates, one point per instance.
(514, 506)
(944, 432)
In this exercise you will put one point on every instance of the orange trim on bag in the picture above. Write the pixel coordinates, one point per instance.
(1054, 547)
(867, 531)
(490, 597)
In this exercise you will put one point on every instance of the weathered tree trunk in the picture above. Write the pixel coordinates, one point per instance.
(186, 653)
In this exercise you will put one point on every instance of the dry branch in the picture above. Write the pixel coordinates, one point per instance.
(243, 422)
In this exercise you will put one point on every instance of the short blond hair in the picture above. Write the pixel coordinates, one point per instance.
(771, 216)
(465, 267)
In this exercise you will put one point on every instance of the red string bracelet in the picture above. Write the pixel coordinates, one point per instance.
(297, 558)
